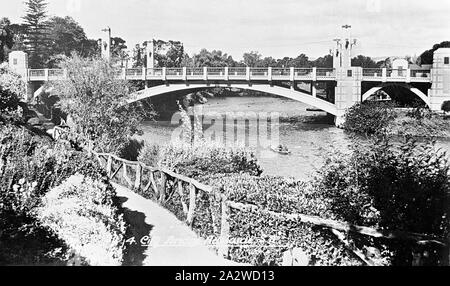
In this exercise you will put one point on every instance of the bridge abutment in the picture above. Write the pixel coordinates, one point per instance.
(440, 75)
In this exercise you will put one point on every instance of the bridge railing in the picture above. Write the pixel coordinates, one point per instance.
(259, 73)
(194, 73)
(215, 73)
(237, 72)
(303, 73)
(36, 74)
(420, 74)
(134, 73)
(55, 74)
(325, 73)
(154, 73)
(244, 73)
(174, 73)
(281, 73)
(400, 74)
(373, 72)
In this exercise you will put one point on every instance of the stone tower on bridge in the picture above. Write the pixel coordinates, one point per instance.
(348, 78)
(440, 79)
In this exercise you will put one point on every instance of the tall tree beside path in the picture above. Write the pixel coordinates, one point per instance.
(36, 24)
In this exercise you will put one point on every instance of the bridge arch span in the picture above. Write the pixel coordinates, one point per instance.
(414, 90)
(276, 90)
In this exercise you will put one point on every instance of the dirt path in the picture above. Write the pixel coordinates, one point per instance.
(172, 242)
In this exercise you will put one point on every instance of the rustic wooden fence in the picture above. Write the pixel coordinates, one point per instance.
(164, 183)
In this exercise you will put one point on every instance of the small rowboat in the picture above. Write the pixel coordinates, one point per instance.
(279, 150)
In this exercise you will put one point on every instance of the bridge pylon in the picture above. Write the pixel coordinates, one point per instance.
(348, 78)
(440, 75)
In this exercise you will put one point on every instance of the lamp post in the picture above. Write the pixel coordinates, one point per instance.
(106, 44)
(150, 52)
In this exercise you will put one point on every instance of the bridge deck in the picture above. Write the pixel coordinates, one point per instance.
(245, 74)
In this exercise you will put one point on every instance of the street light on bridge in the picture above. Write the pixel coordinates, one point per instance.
(106, 44)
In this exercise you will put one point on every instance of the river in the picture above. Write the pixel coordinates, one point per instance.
(309, 142)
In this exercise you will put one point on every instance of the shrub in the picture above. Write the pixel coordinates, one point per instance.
(9, 102)
(131, 150)
(388, 186)
(11, 81)
(30, 165)
(95, 99)
(201, 159)
(12, 88)
(269, 236)
(446, 106)
(369, 117)
(81, 211)
(420, 113)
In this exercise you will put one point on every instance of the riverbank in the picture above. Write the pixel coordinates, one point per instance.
(433, 125)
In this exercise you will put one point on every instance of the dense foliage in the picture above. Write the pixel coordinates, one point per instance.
(446, 106)
(12, 89)
(387, 185)
(369, 117)
(30, 166)
(95, 99)
(426, 58)
(200, 159)
(81, 212)
(6, 38)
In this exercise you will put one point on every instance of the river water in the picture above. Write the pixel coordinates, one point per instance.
(307, 135)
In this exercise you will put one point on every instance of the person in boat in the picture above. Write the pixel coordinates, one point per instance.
(282, 148)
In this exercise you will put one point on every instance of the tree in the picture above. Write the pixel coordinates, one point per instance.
(252, 59)
(268, 62)
(284, 62)
(323, 62)
(65, 36)
(139, 57)
(6, 38)
(364, 62)
(301, 61)
(36, 25)
(446, 106)
(215, 58)
(117, 46)
(95, 99)
(19, 32)
(426, 58)
(168, 54)
(90, 48)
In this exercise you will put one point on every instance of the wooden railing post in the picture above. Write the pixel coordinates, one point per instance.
(137, 183)
(192, 197)
(162, 192)
(109, 166)
(224, 228)
(180, 192)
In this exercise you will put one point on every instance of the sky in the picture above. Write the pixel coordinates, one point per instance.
(276, 28)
